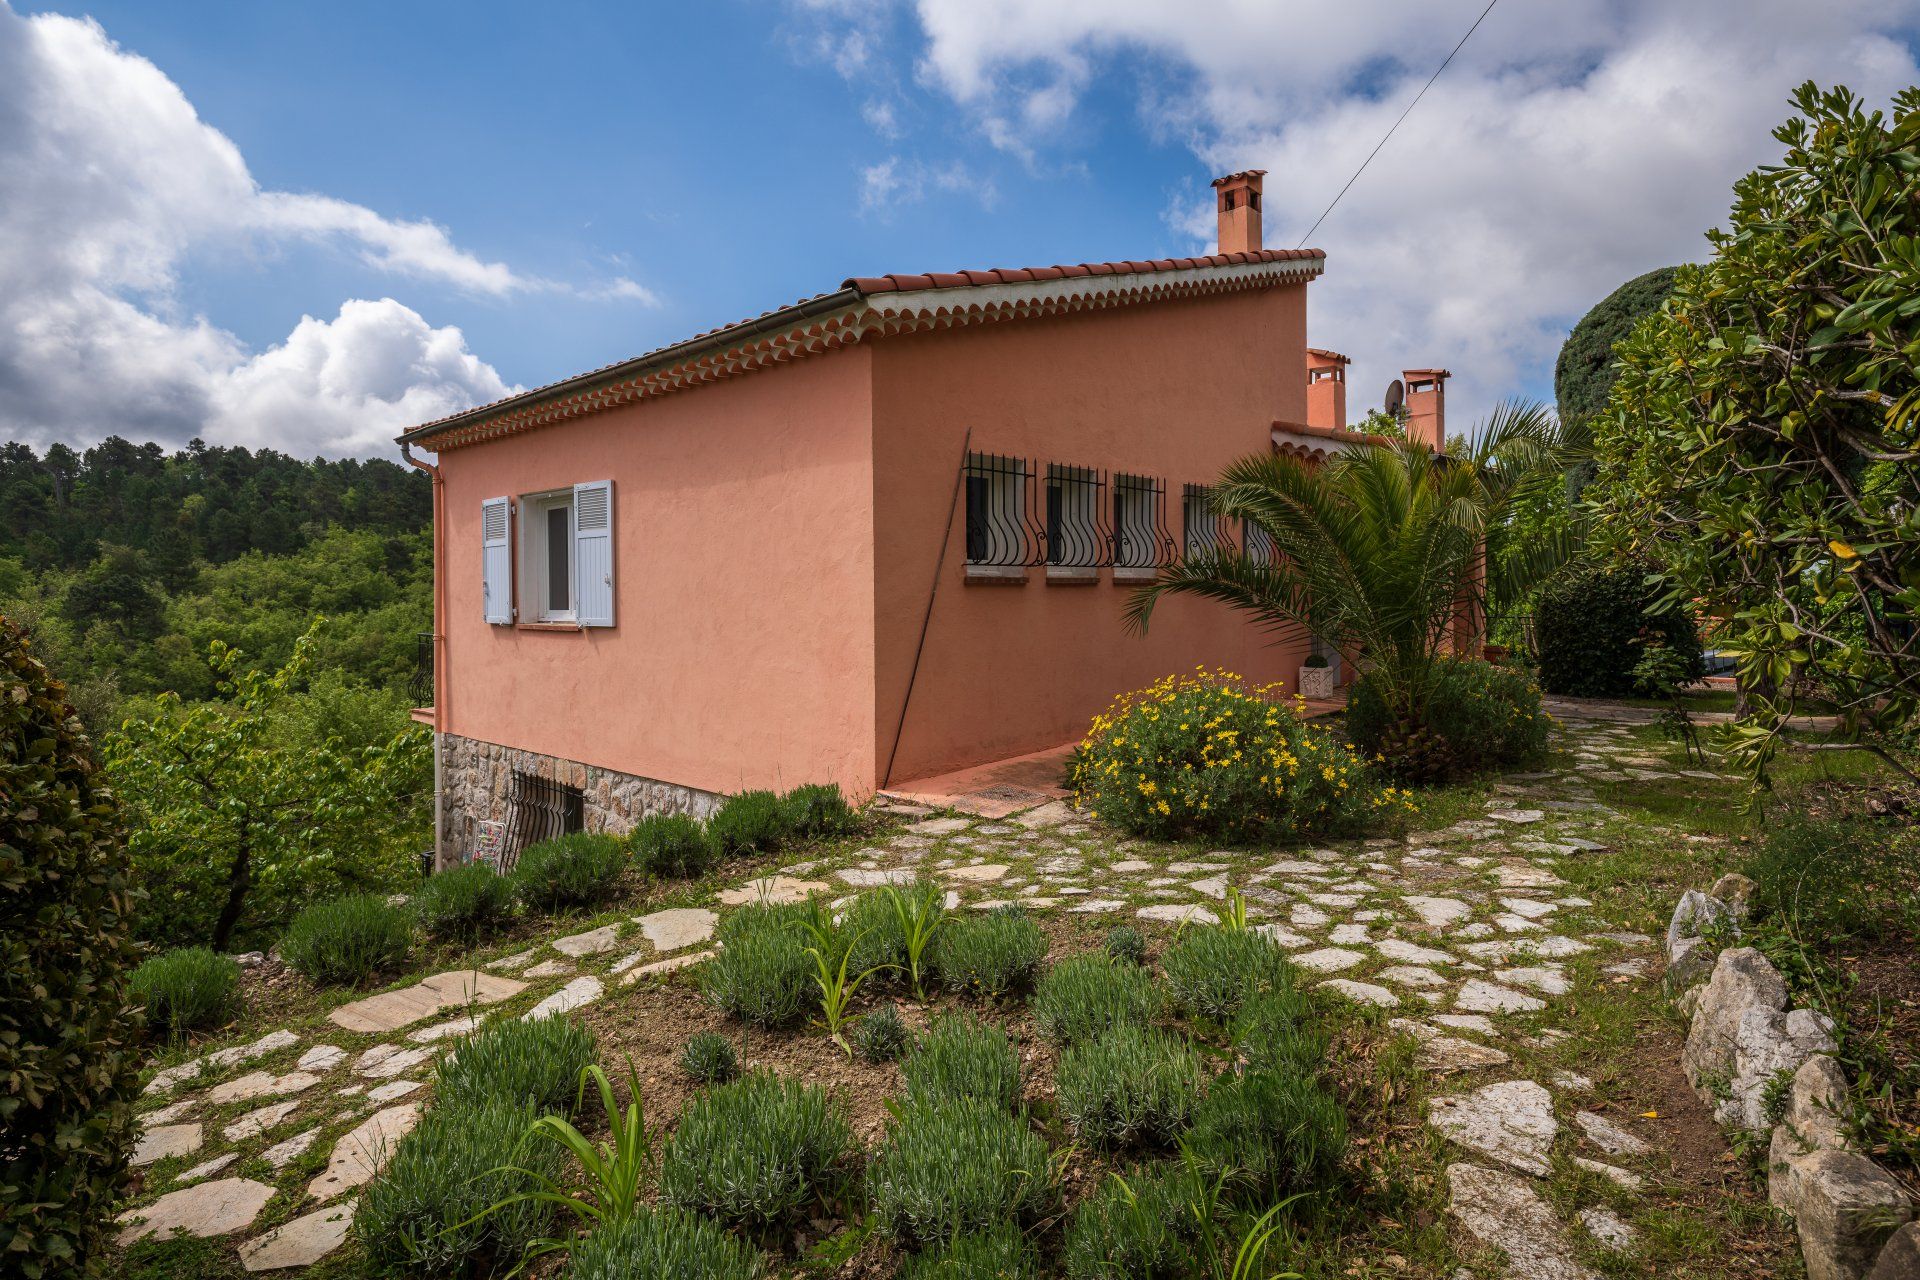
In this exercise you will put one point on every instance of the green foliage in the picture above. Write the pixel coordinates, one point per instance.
(763, 973)
(568, 871)
(1593, 625)
(68, 1049)
(709, 1058)
(1845, 876)
(918, 910)
(1126, 944)
(957, 1166)
(1758, 447)
(750, 822)
(1211, 972)
(245, 809)
(1584, 374)
(1476, 716)
(961, 1057)
(997, 1253)
(516, 1063)
(882, 1036)
(463, 903)
(1208, 756)
(1129, 1086)
(189, 989)
(1266, 1134)
(663, 1242)
(673, 847)
(427, 1213)
(756, 1153)
(348, 941)
(991, 955)
(1084, 995)
(1139, 1228)
(1276, 1031)
(818, 811)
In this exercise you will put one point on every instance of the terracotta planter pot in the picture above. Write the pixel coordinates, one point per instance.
(1316, 682)
(1494, 652)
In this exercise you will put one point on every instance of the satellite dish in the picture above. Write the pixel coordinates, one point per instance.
(1396, 397)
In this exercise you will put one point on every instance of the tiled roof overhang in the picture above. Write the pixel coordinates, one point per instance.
(866, 308)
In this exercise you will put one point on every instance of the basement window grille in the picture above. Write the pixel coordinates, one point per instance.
(1206, 532)
(1002, 531)
(1259, 543)
(1140, 537)
(540, 809)
(1077, 532)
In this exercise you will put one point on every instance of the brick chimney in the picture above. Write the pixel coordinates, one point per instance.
(1239, 202)
(1427, 406)
(1326, 389)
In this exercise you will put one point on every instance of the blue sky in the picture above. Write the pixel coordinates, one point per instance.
(607, 178)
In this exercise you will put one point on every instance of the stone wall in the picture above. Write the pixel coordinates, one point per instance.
(476, 785)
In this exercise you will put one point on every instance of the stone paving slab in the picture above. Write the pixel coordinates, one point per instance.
(300, 1243)
(216, 1208)
(392, 1010)
(364, 1151)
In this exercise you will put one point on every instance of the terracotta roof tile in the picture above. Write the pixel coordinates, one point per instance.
(1019, 275)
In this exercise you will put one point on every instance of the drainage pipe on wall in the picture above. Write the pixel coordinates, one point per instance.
(440, 679)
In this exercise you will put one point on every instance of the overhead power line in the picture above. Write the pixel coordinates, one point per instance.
(1396, 124)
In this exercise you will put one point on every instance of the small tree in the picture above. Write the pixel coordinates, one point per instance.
(1762, 443)
(69, 1067)
(247, 795)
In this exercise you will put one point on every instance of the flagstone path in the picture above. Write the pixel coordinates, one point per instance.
(1467, 935)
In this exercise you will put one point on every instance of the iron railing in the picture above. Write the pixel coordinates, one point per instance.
(420, 687)
(1066, 517)
(539, 809)
(1078, 534)
(1204, 530)
(1002, 528)
(1140, 537)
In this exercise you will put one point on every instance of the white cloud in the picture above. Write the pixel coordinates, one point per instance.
(894, 182)
(109, 180)
(1568, 148)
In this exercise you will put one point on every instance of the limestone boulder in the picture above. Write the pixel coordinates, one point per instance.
(1743, 1036)
(1900, 1256)
(1845, 1207)
(1690, 956)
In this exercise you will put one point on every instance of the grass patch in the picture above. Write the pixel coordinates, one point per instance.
(664, 1242)
(569, 871)
(673, 847)
(992, 955)
(1211, 972)
(463, 903)
(1130, 1086)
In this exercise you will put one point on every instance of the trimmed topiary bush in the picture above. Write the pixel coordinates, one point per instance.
(960, 1057)
(991, 955)
(1593, 625)
(1211, 972)
(756, 1153)
(709, 1058)
(753, 821)
(762, 973)
(1126, 944)
(188, 989)
(568, 871)
(667, 1243)
(1583, 376)
(515, 1063)
(349, 941)
(70, 1052)
(1084, 995)
(818, 811)
(1268, 1134)
(1131, 1086)
(463, 903)
(1477, 716)
(1142, 1228)
(998, 1253)
(883, 1035)
(417, 1218)
(673, 847)
(954, 1166)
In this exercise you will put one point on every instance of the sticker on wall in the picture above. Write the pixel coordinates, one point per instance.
(493, 839)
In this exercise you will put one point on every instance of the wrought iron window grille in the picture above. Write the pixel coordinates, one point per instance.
(539, 809)
(1079, 535)
(1259, 544)
(1140, 536)
(420, 687)
(1206, 531)
(1003, 528)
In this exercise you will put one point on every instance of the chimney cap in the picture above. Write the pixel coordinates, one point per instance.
(1325, 354)
(1245, 175)
(1430, 373)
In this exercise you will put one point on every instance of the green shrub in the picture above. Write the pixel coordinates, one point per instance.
(348, 941)
(954, 1166)
(998, 1253)
(1477, 716)
(1211, 972)
(878, 936)
(673, 847)
(1849, 876)
(991, 955)
(763, 974)
(755, 917)
(753, 821)
(1084, 995)
(1126, 944)
(882, 1036)
(662, 1244)
(417, 1218)
(514, 1063)
(186, 990)
(568, 871)
(1275, 1032)
(709, 1058)
(756, 1153)
(1268, 1134)
(1585, 371)
(1130, 1086)
(1591, 626)
(1205, 756)
(817, 811)
(1142, 1228)
(960, 1057)
(463, 902)
(69, 1054)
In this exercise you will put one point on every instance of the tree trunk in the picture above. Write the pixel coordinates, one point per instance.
(239, 878)
(1746, 697)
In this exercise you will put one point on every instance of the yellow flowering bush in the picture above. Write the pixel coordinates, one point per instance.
(1210, 755)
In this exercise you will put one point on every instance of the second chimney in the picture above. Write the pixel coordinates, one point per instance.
(1238, 196)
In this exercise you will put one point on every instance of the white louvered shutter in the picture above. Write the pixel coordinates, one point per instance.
(593, 553)
(496, 561)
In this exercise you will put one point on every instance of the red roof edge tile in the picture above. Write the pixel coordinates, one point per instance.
(1019, 275)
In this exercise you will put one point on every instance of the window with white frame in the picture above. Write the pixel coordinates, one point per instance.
(548, 557)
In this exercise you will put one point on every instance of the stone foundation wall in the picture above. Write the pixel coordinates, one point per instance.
(476, 785)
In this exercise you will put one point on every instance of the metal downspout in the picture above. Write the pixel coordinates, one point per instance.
(440, 677)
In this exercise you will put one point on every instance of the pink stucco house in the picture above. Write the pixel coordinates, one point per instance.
(876, 535)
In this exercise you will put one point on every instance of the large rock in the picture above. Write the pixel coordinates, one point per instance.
(1690, 955)
(1845, 1206)
(1900, 1256)
(163, 1142)
(1743, 1036)
(1812, 1123)
(1503, 1210)
(677, 927)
